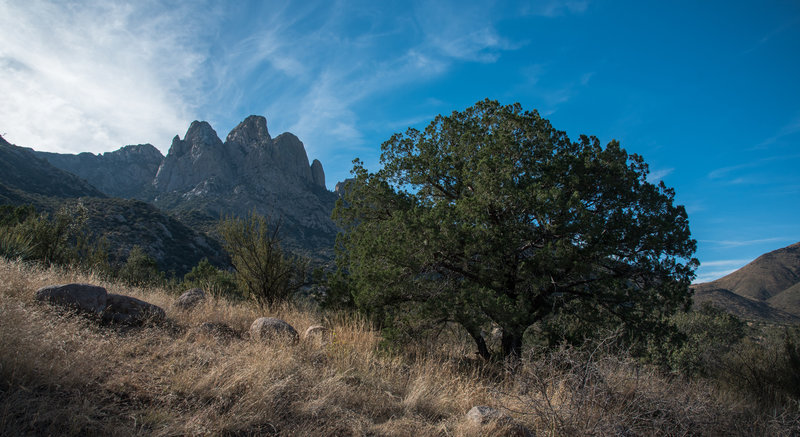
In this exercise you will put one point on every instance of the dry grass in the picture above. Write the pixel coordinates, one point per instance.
(62, 374)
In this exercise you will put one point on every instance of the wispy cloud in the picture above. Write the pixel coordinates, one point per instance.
(554, 8)
(96, 75)
(741, 243)
(791, 128)
(657, 175)
(734, 174)
(712, 270)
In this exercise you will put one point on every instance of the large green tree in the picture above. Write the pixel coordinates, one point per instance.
(492, 218)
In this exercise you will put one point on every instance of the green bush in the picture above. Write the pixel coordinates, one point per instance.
(766, 367)
(15, 245)
(266, 272)
(709, 335)
(140, 269)
(212, 280)
(62, 239)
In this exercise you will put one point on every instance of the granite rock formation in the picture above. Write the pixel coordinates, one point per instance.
(251, 170)
(127, 172)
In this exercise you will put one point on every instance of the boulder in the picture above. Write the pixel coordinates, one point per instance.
(132, 311)
(483, 415)
(270, 328)
(190, 299)
(82, 297)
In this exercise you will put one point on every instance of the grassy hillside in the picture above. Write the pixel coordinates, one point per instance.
(68, 375)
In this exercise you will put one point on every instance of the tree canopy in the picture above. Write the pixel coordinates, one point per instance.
(492, 218)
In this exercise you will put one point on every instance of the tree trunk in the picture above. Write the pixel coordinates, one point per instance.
(512, 344)
(483, 351)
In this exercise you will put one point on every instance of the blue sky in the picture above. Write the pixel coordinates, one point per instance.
(708, 92)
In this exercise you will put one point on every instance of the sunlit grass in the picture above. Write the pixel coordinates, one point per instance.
(64, 374)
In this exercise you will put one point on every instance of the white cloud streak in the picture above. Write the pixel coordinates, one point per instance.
(742, 243)
(657, 175)
(94, 75)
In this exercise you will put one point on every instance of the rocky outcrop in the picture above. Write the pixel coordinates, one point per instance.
(131, 311)
(270, 328)
(317, 174)
(341, 187)
(199, 157)
(95, 300)
(127, 172)
(82, 297)
(250, 171)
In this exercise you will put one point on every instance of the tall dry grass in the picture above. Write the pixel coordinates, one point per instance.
(66, 374)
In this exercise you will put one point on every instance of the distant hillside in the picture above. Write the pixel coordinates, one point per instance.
(22, 173)
(28, 179)
(766, 289)
(174, 245)
(127, 172)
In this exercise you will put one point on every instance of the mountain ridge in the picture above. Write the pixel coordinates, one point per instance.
(202, 179)
(768, 288)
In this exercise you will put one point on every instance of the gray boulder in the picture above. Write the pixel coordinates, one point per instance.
(132, 311)
(82, 297)
(270, 328)
(190, 299)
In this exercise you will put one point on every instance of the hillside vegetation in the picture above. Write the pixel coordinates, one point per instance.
(67, 374)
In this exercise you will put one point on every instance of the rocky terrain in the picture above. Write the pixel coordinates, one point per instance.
(203, 179)
(26, 178)
(127, 172)
(767, 289)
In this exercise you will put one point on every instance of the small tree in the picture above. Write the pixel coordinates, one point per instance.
(263, 269)
(208, 277)
(140, 269)
(492, 218)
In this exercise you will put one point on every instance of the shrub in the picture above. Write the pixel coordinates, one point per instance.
(140, 269)
(264, 270)
(211, 279)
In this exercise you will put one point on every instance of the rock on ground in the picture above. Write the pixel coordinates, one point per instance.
(270, 328)
(83, 297)
(316, 333)
(190, 299)
(129, 310)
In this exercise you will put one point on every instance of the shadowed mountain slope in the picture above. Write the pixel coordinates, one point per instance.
(22, 172)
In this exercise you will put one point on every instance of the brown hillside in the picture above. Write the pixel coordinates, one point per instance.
(765, 277)
(743, 307)
(765, 289)
(788, 300)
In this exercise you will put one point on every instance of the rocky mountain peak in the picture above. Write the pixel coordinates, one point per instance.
(136, 151)
(251, 132)
(201, 134)
(317, 173)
